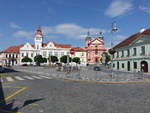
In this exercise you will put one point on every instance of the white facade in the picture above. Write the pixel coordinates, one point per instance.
(81, 55)
(14, 54)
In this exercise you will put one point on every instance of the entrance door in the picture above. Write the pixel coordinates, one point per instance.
(96, 59)
(128, 66)
(144, 66)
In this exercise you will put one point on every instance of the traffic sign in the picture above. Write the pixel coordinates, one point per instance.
(72, 51)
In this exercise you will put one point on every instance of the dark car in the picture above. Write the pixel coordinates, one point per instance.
(24, 65)
(1, 69)
(96, 68)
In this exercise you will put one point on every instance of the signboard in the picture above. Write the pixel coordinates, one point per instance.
(72, 51)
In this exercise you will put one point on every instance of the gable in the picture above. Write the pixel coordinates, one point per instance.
(27, 46)
(140, 40)
(97, 41)
(50, 45)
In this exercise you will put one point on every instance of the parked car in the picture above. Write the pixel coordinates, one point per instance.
(97, 68)
(24, 65)
(1, 69)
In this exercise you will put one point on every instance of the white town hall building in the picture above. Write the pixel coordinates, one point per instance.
(14, 54)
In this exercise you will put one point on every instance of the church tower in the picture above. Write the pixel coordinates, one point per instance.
(38, 38)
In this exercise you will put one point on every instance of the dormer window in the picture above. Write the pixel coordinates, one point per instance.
(50, 45)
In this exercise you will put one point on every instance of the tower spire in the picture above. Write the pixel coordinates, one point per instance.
(39, 31)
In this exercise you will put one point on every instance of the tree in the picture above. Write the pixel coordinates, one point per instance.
(38, 59)
(44, 60)
(107, 57)
(53, 59)
(64, 58)
(76, 60)
(26, 59)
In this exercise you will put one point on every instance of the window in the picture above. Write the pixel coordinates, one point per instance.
(122, 65)
(6, 55)
(31, 54)
(22, 54)
(13, 56)
(27, 54)
(135, 65)
(56, 54)
(122, 53)
(62, 53)
(128, 53)
(50, 53)
(82, 54)
(113, 56)
(96, 52)
(134, 51)
(143, 50)
(113, 65)
(44, 53)
(117, 54)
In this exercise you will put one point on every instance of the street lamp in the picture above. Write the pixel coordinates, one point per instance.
(112, 51)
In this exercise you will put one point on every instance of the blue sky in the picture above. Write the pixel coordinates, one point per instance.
(67, 21)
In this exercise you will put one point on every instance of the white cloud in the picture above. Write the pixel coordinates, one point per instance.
(24, 34)
(14, 26)
(119, 7)
(70, 30)
(145, 8)
(121, 37)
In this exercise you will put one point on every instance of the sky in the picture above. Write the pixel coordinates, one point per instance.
(68, 21)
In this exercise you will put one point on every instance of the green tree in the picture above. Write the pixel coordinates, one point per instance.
(53, 59)
(38, 59)
(26, 59)
(107, 57)
(44, 60)
(76, 60)
(64, 58)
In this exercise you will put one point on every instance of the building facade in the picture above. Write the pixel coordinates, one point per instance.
(133, 54)
(94, 49)
(14, 54)
(81, 53)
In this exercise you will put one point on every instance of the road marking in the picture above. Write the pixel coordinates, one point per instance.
(4, 111)
(37, 77)
(9, 79)
(17, 92)
(45, 77)
(27, 77)
(18, 78)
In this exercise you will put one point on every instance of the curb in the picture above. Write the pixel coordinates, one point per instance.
(109, 82)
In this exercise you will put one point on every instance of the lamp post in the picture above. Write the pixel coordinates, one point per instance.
(112, 51)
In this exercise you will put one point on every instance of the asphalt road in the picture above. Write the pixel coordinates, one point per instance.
(64, 96)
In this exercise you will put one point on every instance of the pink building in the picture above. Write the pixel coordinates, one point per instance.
(94, 48)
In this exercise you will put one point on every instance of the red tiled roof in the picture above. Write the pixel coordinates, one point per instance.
(58, 45)
(62, 45)
(78, 49)
(13, 49)
(131, 39)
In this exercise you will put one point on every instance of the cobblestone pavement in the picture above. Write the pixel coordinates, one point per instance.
(63, 96)
(87, 73)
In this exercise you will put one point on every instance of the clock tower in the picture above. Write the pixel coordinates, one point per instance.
(38, 38)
